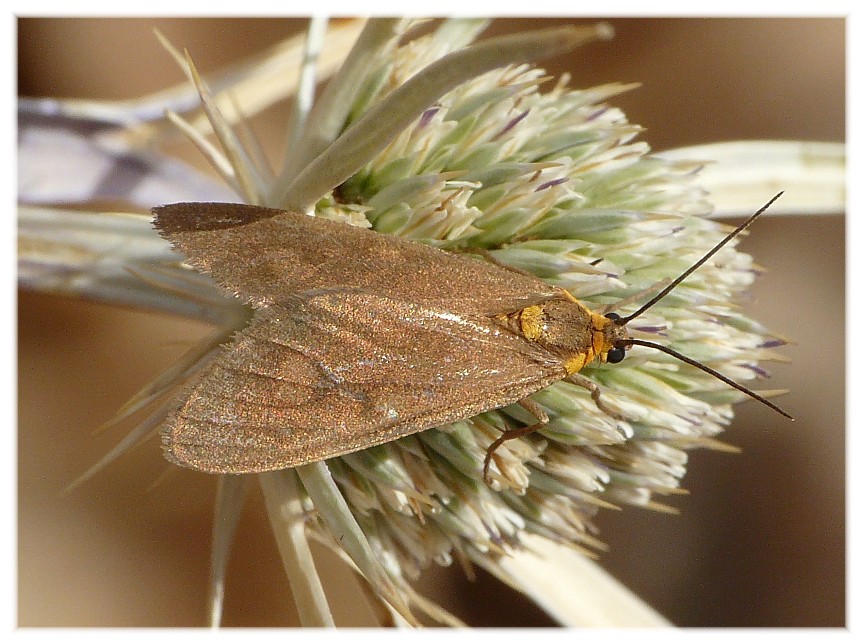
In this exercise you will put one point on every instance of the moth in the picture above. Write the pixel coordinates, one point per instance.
(360, 338)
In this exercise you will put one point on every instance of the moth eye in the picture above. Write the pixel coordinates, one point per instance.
(616, 354)
(613, 316)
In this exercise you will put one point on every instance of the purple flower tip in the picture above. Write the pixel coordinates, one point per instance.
(513, 122)
(427, 115)
(549, 184)
(760, 372)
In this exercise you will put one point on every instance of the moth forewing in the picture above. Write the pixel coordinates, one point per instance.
(266, 255)
(337, 371)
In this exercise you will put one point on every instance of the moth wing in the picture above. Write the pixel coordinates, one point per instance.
(264, 255)
(321, 376)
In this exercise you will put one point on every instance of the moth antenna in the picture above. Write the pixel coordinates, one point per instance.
(699, 263)
(703, 367)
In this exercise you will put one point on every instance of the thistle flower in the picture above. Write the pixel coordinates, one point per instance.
(548, 179)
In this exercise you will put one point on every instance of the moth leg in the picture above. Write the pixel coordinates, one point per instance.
(511, 434)
(595, 394)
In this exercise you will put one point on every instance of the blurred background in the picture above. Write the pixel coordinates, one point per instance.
(760, 540)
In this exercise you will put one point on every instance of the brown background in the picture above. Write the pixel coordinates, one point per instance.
(760, 540)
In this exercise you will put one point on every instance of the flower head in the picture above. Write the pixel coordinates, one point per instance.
(546, 179)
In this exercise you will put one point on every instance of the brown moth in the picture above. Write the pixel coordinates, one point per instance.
(360, 338)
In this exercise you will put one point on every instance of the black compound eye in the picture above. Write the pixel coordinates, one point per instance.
(616, 354)
(613, 316)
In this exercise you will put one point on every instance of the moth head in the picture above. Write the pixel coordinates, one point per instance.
(613, 337)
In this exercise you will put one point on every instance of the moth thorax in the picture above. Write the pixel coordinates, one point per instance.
(560, 325)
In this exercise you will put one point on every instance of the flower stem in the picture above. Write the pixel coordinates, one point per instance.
(284, 507)
(229, 502)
